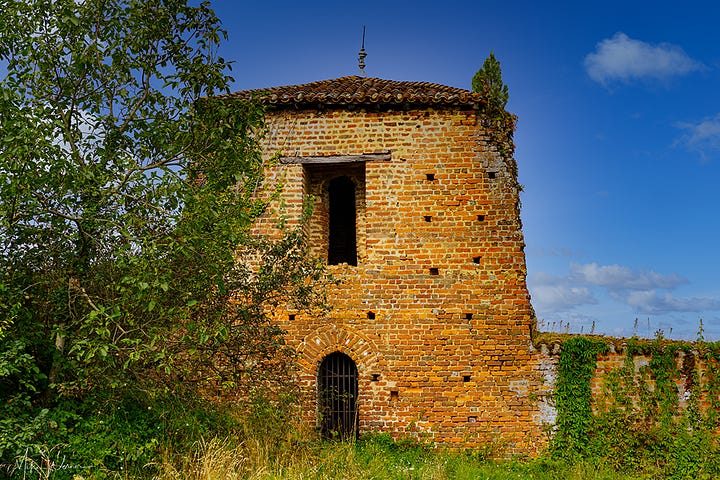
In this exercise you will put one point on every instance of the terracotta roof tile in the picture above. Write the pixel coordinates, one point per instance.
(354, 90)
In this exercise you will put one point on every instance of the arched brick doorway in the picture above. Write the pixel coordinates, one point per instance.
(337, 396)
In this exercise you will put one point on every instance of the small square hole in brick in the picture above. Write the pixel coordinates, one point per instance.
(466, 378)
(371, 315)
(476, 260)
(472, 419)
(481, 218)
(434, 271)
(375, 377)
(468, 316)
(428, 218)
(291, 317)
(394, 394)
(429, 177)
(491, 175)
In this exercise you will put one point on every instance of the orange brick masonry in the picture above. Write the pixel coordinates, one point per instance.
(436, 314)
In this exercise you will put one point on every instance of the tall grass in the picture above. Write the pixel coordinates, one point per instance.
(375, 457)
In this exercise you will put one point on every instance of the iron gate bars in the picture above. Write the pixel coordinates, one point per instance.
(338, 393)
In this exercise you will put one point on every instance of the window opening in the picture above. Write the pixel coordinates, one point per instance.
(338, 392)
(342, 246)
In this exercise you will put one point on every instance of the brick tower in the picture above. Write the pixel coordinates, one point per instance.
(416, 212)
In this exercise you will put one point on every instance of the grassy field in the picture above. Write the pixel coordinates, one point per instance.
(376, 457)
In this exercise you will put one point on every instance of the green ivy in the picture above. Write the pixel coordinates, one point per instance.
(640, 423)
(578, 359)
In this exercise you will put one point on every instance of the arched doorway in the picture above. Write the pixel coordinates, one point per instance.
(337, 396)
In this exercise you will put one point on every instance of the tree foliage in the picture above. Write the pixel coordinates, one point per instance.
(126, 194)
(488, 80)
(500, 124)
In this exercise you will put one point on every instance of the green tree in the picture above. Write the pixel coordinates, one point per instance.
(127, 197)
(488, 81)
(500, 124)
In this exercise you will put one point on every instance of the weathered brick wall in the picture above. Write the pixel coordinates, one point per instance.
(692, 378)
(436, 314)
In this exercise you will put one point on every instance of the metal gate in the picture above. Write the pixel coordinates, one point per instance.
(338, 393)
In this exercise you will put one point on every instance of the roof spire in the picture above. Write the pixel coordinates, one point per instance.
(362, 55)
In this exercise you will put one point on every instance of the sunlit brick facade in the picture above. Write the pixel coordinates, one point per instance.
(434, 310)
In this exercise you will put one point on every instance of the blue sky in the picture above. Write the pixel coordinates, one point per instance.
(618, 139)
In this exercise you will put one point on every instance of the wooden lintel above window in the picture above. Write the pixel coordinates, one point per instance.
(365, 157)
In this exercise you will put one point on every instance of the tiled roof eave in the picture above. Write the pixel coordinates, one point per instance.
(348, 92)
(294, 105)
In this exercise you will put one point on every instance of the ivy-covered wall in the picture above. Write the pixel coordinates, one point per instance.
(639, 404)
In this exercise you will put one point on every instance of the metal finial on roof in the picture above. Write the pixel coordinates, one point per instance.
(362, 55)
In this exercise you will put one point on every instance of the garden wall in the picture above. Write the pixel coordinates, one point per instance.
(639, 378)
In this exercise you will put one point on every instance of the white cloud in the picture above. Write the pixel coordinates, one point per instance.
(702, 136)
(637, 291)
(619, 277)
(554, 294)
(653, 302)
(554, 298)
(625, 59)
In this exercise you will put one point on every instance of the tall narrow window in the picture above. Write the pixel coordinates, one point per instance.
(338, 392)
(342, 247)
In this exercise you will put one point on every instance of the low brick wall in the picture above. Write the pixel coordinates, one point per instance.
(692, 377)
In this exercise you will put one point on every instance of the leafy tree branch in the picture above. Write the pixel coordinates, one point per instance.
(127, 200)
